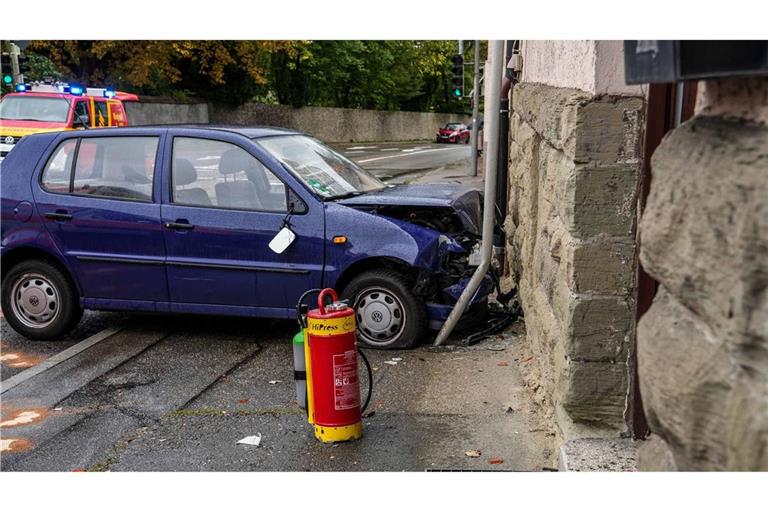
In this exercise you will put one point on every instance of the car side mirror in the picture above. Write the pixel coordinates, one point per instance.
(296, 205)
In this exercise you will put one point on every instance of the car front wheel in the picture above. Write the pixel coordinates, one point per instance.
(38, 300)
(388, 314)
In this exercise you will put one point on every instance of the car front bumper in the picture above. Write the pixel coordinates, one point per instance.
(438, 313)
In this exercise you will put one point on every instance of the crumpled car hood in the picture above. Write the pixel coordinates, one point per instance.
(465, 201)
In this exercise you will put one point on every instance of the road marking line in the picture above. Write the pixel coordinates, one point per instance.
(390, 149)
(353, 152)
(58, 358)
(401, 154)
(363, 147)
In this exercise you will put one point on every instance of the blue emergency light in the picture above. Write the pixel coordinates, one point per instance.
(63, 89)
(75, 90)
(109, 93)
(21, 87)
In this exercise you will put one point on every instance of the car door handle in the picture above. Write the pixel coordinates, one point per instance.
(179, 225)
(58, 215)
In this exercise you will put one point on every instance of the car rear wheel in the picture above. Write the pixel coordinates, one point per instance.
(39, 301)
(388, 314)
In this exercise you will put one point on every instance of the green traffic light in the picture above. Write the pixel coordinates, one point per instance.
(457, 92)
(7, 79)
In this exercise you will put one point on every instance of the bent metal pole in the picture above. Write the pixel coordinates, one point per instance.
(492, 97)
(475, 105)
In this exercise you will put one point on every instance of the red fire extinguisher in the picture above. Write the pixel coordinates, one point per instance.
(333, 381)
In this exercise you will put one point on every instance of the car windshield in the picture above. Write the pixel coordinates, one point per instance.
(453, 126)
(30, 108)
(326, 172)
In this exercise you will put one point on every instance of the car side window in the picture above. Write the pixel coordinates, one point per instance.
(101, 114)
(219, 174)
(81, 112)
(59, 167)
(116, 167)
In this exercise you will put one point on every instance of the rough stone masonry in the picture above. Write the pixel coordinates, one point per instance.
(574, 167)
(703, 345)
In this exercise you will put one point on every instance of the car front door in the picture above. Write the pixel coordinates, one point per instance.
(96, 196)
(223, 206)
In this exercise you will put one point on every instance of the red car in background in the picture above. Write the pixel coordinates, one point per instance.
(456, 133)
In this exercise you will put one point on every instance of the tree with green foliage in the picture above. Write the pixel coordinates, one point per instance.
(383, 75)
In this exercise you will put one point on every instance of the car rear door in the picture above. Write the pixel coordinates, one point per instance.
(97, 196)
(224, 201)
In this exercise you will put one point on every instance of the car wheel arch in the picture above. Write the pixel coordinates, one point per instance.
(376, 262)
(20, 254)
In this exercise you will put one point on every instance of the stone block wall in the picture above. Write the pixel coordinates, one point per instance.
(573, 172)
(155, 110)
(703, 345)
(340, 124)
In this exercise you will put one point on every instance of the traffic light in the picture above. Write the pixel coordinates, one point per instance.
(7, 70)
(458, 75)
(23, 64)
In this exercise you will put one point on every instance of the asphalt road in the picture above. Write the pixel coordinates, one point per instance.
(177, 393)
(402, 162)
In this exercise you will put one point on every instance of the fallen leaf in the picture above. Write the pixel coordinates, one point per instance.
(243, 401)
(526, 359)
(496, 461)
(472, 453)
(368, 414)
(502, 363)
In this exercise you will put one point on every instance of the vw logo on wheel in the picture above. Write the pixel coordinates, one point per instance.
(8, 140)
(376, 316)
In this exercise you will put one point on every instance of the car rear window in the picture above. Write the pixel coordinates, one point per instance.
(111, 167)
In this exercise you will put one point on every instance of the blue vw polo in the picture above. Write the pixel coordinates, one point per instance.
(226, 221)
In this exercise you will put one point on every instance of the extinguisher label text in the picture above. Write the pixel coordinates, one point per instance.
(346, 389)
(330, 326)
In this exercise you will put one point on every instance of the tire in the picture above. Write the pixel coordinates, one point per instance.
(39, 301)
(388, 314)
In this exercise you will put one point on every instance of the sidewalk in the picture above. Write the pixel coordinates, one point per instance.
(431, 408)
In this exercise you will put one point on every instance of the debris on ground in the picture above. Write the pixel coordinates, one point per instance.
(495, 348)
(393, 363)
(368, 414)
(397, 359)
(472, 453)
(274, 381)
(496, 460)
(502, 363)
(243, 401)
(251, 440)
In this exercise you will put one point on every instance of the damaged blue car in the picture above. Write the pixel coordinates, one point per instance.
(226, 221)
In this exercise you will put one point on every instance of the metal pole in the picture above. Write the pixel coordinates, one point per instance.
(475, 106)
(15, 51)
(492, 97)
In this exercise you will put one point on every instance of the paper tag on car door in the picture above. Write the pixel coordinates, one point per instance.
(283, 239)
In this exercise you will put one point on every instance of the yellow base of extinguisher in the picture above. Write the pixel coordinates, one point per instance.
(338, 434)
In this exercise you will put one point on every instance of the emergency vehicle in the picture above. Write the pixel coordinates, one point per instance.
(38, 108)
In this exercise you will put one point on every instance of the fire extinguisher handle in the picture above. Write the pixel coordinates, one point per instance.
(321, 298)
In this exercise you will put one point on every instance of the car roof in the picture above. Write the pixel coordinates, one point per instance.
(252, 132)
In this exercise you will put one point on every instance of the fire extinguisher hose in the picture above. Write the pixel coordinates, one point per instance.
(370, 380)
